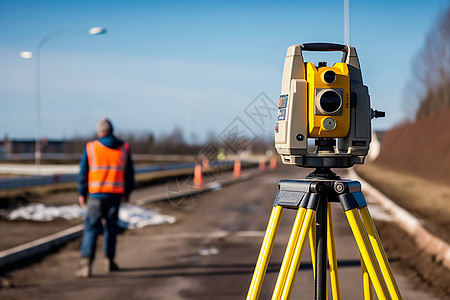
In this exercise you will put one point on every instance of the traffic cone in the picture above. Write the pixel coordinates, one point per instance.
(262, 164)
(237, 169)
(205, 164)
(273, 163)
(198, 177)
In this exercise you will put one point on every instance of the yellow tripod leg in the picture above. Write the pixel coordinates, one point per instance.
(334, 277)
(264, 254)
(287, 259)
(287, 289)
(367, 284)
(367, 254)
(312, 246)
(380, 254)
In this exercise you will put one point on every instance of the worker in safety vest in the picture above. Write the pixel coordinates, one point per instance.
(107, 176)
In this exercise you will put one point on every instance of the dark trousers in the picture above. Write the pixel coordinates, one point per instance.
(98, 209)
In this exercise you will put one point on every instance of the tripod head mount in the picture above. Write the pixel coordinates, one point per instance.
(323, 173)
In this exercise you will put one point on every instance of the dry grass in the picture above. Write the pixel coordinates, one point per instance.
(427, 199)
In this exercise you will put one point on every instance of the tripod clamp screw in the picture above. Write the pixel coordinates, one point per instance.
(339, 187)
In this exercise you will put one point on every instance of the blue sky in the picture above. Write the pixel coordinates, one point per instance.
(195, 65)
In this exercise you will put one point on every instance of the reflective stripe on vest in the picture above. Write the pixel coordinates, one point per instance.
(106, 168)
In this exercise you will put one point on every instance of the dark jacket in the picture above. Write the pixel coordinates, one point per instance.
(109, 141)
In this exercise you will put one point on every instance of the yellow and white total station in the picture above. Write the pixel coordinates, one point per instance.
(331, 106)
(328, 104)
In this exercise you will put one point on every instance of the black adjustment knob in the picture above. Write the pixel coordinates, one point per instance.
(378, 114)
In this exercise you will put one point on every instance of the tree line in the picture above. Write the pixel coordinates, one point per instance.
(430, 82)
(173, 143)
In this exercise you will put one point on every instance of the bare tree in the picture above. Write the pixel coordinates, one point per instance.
(430, 85)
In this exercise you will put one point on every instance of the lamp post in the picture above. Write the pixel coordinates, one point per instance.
(37, 54)
(347, 22)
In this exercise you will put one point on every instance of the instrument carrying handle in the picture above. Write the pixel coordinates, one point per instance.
(323, 47)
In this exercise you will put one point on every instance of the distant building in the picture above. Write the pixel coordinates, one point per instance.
(28, 146)
(25, 148)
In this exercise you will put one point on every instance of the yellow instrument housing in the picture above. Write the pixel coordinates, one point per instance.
(341, 85)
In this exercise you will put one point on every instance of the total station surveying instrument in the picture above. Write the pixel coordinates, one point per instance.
(330, 106)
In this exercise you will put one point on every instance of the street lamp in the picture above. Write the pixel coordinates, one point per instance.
(37, 54)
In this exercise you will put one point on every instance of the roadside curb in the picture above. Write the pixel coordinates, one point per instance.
(12, 256)
(411, 225)
(38, 247)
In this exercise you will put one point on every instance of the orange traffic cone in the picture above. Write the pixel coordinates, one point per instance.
(205, 164)
(262, 164)
(198, 177)
(237, 169)
(273, 163)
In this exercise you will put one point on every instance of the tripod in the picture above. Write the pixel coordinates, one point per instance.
(312, 198)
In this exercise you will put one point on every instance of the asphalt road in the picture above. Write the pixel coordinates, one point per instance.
(209, 253)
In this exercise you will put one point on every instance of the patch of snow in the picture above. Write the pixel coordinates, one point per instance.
(130, 216)
(215, 186)
(207, 251)
(43, 213)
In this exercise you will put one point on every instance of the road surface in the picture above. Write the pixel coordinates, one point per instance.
(209, 253)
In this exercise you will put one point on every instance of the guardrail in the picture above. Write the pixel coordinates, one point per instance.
(28, 181)
(8, 157)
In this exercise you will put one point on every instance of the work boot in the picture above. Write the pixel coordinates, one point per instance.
(85, 268)
(110, 265)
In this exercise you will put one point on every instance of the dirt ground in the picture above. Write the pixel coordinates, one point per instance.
(192, 259)
(22, 231)
(427, 200)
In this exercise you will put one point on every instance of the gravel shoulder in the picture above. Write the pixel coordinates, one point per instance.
(428, 201)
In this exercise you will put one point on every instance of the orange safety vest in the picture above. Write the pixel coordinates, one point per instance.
(106, 168)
